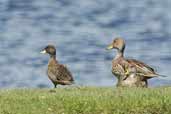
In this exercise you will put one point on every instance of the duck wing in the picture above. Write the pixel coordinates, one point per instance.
(142, 68)
(62, 74)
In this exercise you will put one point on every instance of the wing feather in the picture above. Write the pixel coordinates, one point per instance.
(142, 68)
(61, 74)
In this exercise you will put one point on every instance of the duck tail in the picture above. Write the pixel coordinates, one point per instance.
(161, 75)
(69, 82)
(152, 75)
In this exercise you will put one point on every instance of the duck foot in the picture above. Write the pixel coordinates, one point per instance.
(52, 91)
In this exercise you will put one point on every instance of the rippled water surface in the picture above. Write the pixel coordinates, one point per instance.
(81, 30)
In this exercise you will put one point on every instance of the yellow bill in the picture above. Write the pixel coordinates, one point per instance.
(109, 47)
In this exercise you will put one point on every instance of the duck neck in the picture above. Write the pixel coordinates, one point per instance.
(52, 59)
(119, 54)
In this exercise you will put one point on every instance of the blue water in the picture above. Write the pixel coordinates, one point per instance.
(81, 30)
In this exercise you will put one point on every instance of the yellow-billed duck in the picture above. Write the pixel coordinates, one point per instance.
(122, 68)
(57, 73)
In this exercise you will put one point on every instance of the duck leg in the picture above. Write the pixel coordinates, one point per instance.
(55, 86)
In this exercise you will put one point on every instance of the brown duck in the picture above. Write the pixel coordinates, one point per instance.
(57, 73)
(129, 72)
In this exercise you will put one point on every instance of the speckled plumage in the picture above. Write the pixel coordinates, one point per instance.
(57, 73)
(142, 72)
(119, 67)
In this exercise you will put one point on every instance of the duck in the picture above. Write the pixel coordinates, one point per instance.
(58, 73)
(130, 78)
(129, 72)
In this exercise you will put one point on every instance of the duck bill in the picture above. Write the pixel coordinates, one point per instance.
(43, 52)
(109, 47)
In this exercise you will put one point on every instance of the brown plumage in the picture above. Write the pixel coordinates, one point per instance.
(57, 73)
(121, 67)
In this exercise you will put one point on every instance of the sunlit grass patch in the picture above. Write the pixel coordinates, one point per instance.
(86, 100)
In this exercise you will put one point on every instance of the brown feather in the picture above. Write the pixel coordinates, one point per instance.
(142, 68)
(59, 73)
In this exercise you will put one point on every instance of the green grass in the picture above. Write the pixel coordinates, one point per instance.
(86, 100)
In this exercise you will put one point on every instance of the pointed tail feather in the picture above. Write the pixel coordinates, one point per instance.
(151, 75)
(65, 82)
(161, 75)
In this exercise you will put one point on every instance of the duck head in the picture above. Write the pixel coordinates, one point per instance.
(118, 43)
(50, 49)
